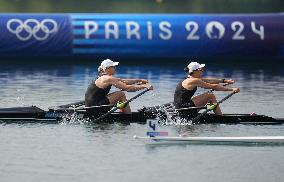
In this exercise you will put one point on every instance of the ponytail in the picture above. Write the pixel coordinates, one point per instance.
(100, 71)
(187, 72)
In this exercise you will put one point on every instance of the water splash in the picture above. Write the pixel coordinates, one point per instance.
(72, 118)
(167, 115)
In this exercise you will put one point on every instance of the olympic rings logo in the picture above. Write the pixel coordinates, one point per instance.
(29, 28)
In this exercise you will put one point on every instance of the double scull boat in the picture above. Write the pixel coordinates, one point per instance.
(56, 115)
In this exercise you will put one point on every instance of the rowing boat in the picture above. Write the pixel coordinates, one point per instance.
(35, 114)
(166, 114)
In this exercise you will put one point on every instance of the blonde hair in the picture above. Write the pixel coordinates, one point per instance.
(101, 71)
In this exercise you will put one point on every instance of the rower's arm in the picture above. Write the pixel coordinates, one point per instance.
(217, 87)
(218, 80)
(133, 81)
(123, 86)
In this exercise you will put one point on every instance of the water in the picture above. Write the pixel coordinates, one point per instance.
(77, 152)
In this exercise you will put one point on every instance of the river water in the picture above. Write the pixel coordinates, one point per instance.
(79, 152)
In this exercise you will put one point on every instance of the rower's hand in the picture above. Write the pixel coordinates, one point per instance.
(143, 81)
(229, 81)
(150, 87)
(236, 90)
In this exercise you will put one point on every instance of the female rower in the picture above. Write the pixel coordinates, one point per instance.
(98, 91)
(185, 90)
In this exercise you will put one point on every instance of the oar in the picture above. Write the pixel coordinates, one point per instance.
(120, 105)
(210, 108)
(67, 106)
(82, 109)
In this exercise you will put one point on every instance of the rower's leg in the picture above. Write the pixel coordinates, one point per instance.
(203, 99)
(119, 96)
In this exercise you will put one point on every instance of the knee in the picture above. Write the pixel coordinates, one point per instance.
(211, 96)
(122, 95)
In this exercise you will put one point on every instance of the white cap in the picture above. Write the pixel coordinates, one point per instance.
(194, 66)
(108, 63)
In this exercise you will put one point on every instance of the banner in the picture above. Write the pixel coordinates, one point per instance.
(143, 35)
(35, 35)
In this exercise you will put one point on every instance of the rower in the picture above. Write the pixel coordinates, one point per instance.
(98, 94)
(183, 97)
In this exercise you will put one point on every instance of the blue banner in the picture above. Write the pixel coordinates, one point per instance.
(35, 35)
(175, 35)
(142, 35)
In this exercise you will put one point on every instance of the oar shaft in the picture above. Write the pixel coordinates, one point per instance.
(124, 103)
(186, 108)
(138, 95)
(82, 109)
(67, 106)
(207, 110)
(225, 98)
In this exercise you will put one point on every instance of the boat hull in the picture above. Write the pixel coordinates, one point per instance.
(35, 114)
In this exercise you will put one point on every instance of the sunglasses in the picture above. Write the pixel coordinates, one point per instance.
(114, 67)
(200, 69)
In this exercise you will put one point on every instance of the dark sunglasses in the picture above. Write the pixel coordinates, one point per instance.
(114, 67)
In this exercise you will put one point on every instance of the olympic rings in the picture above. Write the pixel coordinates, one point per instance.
(32, 28)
